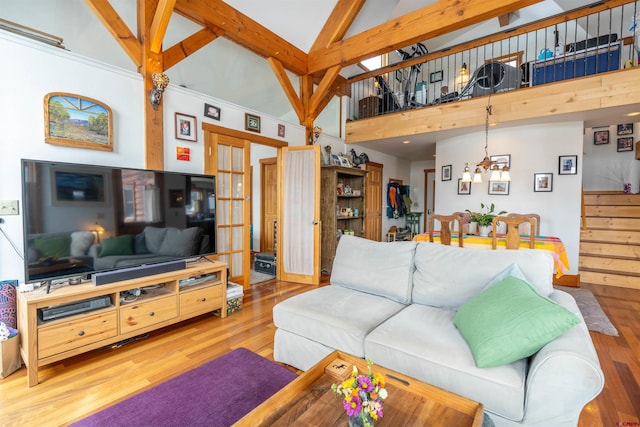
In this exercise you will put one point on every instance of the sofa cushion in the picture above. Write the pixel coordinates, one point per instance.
(179, 242)
(53, 246)
(153, 238)
(120, 245)
(81, 241)
(334, 316)
(510, 321)
(139, 244)
(447, 276)
(377, 268)
(422, 342)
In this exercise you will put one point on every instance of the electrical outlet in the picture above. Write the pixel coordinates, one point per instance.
(9, 207)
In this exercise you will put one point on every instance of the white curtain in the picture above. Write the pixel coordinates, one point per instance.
(298, 227)
(152, 212)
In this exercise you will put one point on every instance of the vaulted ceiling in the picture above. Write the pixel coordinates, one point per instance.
(281, 39)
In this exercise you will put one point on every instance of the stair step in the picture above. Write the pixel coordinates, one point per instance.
(608, 279)
(613, 250)
(622, 266)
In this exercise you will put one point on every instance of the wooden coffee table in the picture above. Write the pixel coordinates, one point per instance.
(308, 400)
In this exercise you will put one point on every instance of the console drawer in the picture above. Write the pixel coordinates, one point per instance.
(140, 315)
(199, 301)
(76, 333)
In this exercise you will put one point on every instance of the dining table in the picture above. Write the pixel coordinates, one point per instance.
(548, 243)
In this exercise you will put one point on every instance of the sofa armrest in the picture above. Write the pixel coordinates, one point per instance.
(563, 376)
(94, 250)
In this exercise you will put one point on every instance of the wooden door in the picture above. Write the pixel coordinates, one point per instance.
(429, 196)
(268, 203)
(229, 161)
(299, 220)
(373, 202)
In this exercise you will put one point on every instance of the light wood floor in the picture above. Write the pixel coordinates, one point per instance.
(77, 387)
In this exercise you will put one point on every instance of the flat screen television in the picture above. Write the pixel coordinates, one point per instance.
(82, 219)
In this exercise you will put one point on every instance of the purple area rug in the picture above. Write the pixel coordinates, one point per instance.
(218, 393)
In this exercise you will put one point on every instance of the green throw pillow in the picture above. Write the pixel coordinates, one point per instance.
(510, 321)
(121, 245)
(55, 246)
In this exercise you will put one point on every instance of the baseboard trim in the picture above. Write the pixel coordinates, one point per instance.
(572, 280)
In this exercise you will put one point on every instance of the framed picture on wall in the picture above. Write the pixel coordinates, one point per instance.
(464, 187)
(186, 127)
(435, 77)
(212, 111)
(625, 129)
(567, 165)
(502, 160)
(625, 144)
(446, 173)
(499, 188)
(600, 137)
(543, 182)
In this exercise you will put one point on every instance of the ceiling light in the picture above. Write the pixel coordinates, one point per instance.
(406, 142)
(497, 173)
(635, 113)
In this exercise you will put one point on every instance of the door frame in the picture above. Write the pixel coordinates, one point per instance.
(209, 164)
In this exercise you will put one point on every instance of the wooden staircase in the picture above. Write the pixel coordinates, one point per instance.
(610, 240)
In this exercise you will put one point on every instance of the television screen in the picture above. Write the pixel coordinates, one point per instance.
(82, 219)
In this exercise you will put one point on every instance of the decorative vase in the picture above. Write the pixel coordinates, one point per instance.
(357, 421)
(627, 188)
(484, 230)
(472, 227)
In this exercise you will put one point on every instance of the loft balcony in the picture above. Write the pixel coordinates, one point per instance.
(575, 66)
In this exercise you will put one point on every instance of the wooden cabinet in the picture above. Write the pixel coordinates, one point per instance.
(134, 307)
(342, 209)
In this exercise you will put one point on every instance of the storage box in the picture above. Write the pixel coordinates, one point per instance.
(235, 295)
(10, 360)
(265, 262)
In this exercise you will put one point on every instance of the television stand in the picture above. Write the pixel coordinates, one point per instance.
(161, 301)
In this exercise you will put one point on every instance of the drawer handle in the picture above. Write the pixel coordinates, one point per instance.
(81, 333)
(203, 299)
(152, 314)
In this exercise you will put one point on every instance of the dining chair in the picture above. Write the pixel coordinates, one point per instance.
(513, 232)
(524, 229)
(446, 225)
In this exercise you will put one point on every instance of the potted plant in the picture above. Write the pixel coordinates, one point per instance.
(484, 218)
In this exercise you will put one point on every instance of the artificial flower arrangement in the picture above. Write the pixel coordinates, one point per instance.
(362, 394)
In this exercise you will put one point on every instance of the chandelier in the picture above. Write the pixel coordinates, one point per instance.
(497, 173)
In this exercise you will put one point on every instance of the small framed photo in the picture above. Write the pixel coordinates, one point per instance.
(625, 144)
(186, 127)
(567, 165)
(543, 182)
(335, 159)
(499, 188)
(176, 198)
(281, 131)
(446, 173)
(502, 160)
(464, 187)
(625, 129)
(211, 111)
(600, 137)
(252, 122)
(435, 77)
(344, 162)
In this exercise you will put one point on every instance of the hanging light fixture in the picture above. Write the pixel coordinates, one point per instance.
(497, 173)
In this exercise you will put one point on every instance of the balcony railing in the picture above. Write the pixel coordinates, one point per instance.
(587, 41)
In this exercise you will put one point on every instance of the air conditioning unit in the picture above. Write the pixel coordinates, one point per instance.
(494, 77)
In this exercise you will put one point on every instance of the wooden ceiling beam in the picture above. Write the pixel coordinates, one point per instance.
(160, 23)
(341, 18)
(288, 88)
(244, 31)
(118, 29)
(186, 47)
(434, 20)
(322, 90)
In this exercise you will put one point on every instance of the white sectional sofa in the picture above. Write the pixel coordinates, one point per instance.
(396, 303)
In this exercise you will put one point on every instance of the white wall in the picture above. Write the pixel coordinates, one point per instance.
(36, 69)
(605, 167)
(533, 149)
